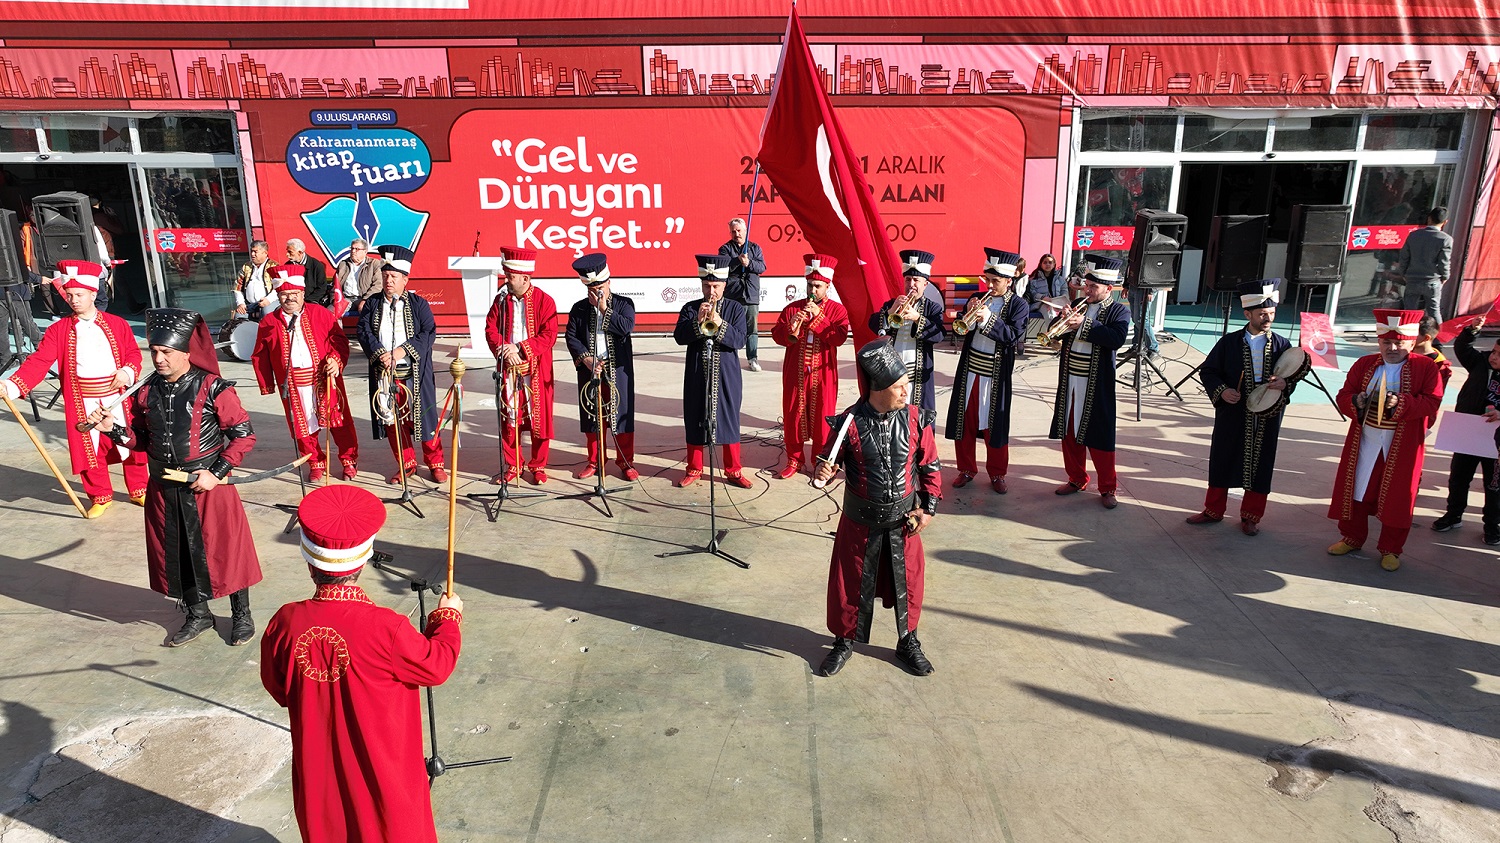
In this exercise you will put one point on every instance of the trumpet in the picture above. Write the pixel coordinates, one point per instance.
(1052, 337)
(975, 316)
(709, 327)
(897, 318)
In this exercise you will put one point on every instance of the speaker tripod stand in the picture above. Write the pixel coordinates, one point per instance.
(1138, 355)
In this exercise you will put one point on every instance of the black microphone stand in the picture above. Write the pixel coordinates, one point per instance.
(1137, 355)
(711, 408)
(493, 502)
(436, 766)
(405, 500)
(599, 490)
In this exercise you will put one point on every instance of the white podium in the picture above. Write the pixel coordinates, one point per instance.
(480, 286)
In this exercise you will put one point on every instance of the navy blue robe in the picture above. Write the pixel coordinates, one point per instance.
(1242, 454)
(1007, 329)
(619, 369)
(702, 353)
(1096, 429)
(927, 331)
(421, 331)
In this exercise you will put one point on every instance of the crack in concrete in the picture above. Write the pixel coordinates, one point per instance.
(1413, 760)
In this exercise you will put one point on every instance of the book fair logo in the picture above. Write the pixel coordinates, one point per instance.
(166, 241)
(1085, 238)
(1361, 237)
(345, 157)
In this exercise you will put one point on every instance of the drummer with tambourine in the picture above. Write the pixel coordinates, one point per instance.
(1249, 376)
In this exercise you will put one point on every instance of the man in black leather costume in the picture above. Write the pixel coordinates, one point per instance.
(189, 420)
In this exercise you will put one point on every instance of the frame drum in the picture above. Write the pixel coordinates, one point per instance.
(1292, 366)
(242, 339)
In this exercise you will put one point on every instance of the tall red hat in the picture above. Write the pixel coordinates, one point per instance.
(821, 265)
(519, 260)
(78, 275)
(292, 276)
(1396, 324)
(339, 524)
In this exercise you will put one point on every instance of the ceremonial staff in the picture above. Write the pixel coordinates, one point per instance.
(39, 449)
(456, 369)
(330, 399)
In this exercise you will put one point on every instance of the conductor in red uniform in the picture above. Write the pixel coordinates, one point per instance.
(893, 485)
(298, 349)
(348, 672)
(521, 329)
(96, 359)
(811, 329)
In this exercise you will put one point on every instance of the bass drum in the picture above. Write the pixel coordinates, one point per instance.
(237, 338)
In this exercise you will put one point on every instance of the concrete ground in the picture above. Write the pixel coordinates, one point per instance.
(1101, 676)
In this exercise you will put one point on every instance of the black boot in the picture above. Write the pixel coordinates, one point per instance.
(242, 626)
(843, 648)
(909, 650)
(199, 621)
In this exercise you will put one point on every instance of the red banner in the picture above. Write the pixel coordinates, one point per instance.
(1318, 341)
(175, 240)
(1373, 237)
(1103, 238)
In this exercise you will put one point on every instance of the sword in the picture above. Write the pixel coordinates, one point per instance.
(109, 407)
(179, 476)
(833, 453)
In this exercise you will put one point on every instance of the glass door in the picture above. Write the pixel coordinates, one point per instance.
(196, 235)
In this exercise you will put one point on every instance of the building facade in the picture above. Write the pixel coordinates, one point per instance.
(458, 126)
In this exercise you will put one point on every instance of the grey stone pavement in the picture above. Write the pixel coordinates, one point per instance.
(1101, 676)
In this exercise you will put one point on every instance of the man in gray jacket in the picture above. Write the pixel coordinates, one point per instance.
(746, 263)
(1424, 264)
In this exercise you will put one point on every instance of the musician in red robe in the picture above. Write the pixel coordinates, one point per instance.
(347, 671)
(97, 359)
(299, 350)
(811, 329)
(889, 453)
(1391, 399)
(521, 329)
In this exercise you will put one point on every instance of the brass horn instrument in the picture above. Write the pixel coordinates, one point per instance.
(1052, 337)
(383, 403)
(974, 316)
(710, 327)
(897, 318)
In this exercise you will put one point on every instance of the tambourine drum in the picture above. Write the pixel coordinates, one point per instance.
(1291, 366)
(237, 337)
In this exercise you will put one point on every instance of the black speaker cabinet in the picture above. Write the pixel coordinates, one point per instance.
(1318, 243)
(1156, 251)
(66, 223)
(1236, 251)
(12, 266)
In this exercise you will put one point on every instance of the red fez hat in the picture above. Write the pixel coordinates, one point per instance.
(519, 260)
(1396, 324)
(821, 265)
(293, 276)
(339, 524)
(78, 275)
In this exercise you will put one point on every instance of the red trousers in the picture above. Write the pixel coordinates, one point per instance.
(996, 457)
(1073, 463)
(624, 441)
(1356, 528)
(1252, 506)
(432, 452)
(96, 483)
(510, 446)
(731, 458)
(343, 436)
(796, 449)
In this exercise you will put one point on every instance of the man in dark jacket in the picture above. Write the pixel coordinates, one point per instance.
(1424, 263)
(1479, 396)
(746, 263)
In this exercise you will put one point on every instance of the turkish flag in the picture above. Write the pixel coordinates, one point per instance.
(1450, 329)
(1317, 340)
(804, 152)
